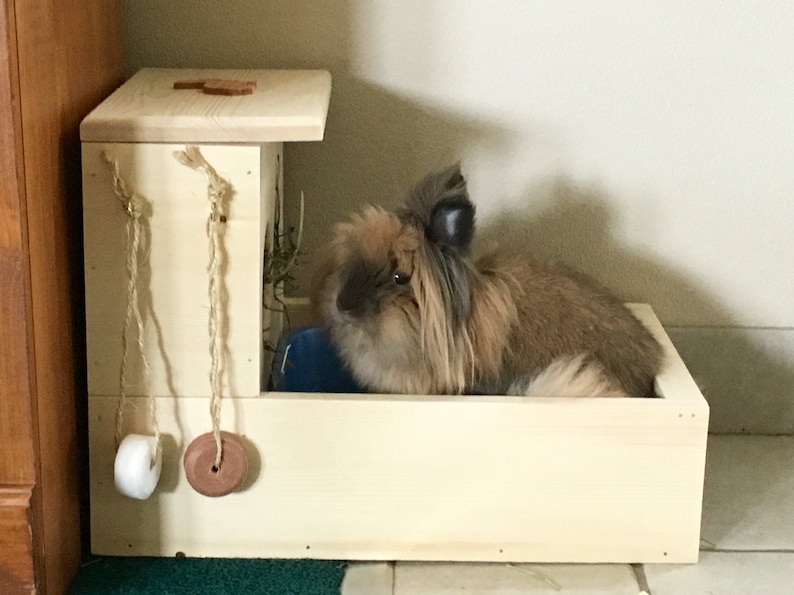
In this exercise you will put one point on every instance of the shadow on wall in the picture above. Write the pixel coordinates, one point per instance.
(237, 34)
(381, 144)
(378, 143)
(564, 219)
(741, 371)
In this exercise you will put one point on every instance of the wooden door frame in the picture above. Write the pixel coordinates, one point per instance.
(17, 461)
(58, 59)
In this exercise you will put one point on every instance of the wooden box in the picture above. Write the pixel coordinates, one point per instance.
(344, 476)
(385, 477)
(139, 127)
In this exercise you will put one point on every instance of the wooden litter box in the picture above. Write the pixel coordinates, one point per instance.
(342, 476)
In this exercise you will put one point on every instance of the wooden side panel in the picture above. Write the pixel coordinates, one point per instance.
(424, 478)
(172, 278)
(69, 60)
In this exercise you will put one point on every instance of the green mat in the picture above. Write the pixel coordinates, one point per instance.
(213, 576)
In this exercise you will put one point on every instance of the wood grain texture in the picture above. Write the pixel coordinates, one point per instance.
(16, 543)
(16, 454)
(287, 105)
(415, 477)
(68, 59)
(17, 461)
(173, 276)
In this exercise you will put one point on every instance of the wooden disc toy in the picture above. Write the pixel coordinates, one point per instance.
(201, 471)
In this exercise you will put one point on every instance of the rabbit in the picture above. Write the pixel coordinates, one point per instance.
(411, 311)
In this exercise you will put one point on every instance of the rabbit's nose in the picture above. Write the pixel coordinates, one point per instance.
(351, 299)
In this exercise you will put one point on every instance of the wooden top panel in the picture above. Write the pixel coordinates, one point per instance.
(286, 105)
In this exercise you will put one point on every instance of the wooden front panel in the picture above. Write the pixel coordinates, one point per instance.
(172, 281)
(415, 477)
(511, 479)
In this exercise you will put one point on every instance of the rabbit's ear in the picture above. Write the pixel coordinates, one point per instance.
(441, 202)
(452, 222)
(439, 184)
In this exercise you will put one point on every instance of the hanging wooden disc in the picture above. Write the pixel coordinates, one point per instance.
(200, 469)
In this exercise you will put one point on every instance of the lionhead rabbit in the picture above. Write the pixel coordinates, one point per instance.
(410, 311)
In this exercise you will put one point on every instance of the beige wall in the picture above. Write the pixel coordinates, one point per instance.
(650, 144)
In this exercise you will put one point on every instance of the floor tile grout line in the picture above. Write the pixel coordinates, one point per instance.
(748, 551)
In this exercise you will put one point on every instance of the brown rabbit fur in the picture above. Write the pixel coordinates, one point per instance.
(411, 312)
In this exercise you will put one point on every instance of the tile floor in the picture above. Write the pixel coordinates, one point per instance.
(747, 543)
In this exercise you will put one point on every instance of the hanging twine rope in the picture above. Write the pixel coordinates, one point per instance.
(217, 191)
(133, 206)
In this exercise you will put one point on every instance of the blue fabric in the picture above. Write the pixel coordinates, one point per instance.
(306, 361)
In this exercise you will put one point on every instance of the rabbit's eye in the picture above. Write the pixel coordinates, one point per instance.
(401, 278)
